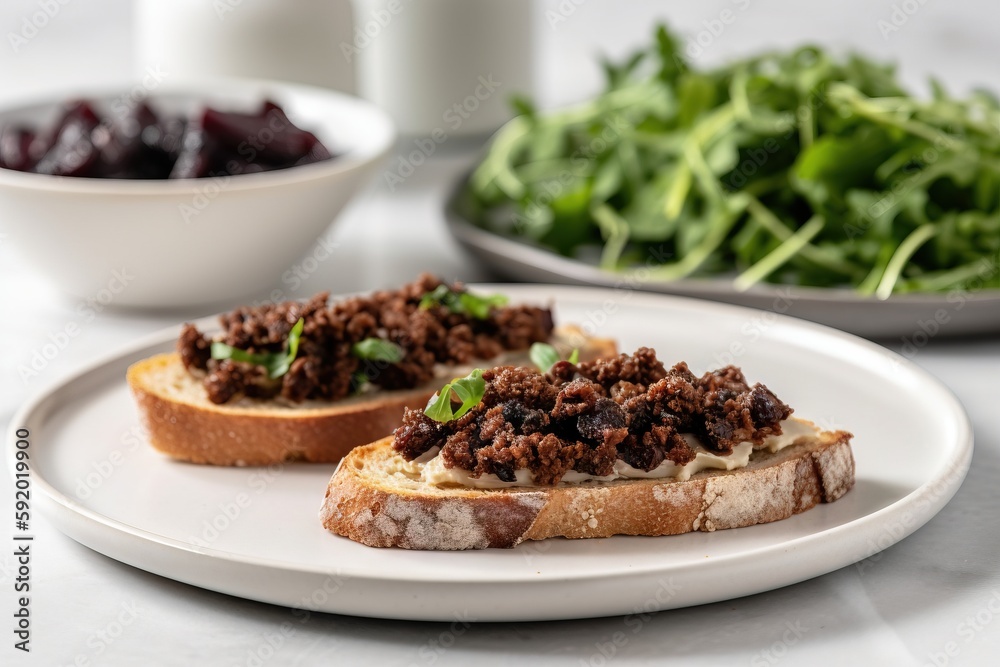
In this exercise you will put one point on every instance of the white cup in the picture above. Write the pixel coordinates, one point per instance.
(443, 65)
(287, 40)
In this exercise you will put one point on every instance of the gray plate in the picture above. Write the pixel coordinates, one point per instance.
(913, 319)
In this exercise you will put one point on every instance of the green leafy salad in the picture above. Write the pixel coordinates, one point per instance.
(795, 168)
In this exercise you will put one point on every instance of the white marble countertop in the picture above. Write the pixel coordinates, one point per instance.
(933, 599)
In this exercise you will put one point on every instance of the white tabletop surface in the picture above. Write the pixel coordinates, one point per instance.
(933, 599)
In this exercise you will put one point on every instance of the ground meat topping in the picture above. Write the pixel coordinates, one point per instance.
(584, 417)
(325, 367)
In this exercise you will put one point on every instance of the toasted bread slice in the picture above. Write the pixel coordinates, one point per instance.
(373, 500)
(181, 422)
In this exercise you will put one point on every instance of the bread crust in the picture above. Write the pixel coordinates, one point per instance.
(202, 432)
(368, 508)
(181, 422)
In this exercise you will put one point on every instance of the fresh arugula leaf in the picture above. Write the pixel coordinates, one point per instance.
(378, 349)
(672, 61)
(523, 105)
(469, 391)
(463, 303)
(276, 363)
(697, 95)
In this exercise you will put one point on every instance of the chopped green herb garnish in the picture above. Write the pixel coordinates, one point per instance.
(378, 349)
(276, 363)
(358, 381)
(469, 390)
(436, 296)
(546, 356)
(463, 303)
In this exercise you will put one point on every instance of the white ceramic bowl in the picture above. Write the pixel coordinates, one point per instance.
(193, 241)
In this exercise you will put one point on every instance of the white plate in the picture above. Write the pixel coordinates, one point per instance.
(254, 532)
(909, 318)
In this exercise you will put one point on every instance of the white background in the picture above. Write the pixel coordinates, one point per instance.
(89, 40)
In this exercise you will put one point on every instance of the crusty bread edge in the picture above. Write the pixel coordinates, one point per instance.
(222, 435)
(773, 487)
